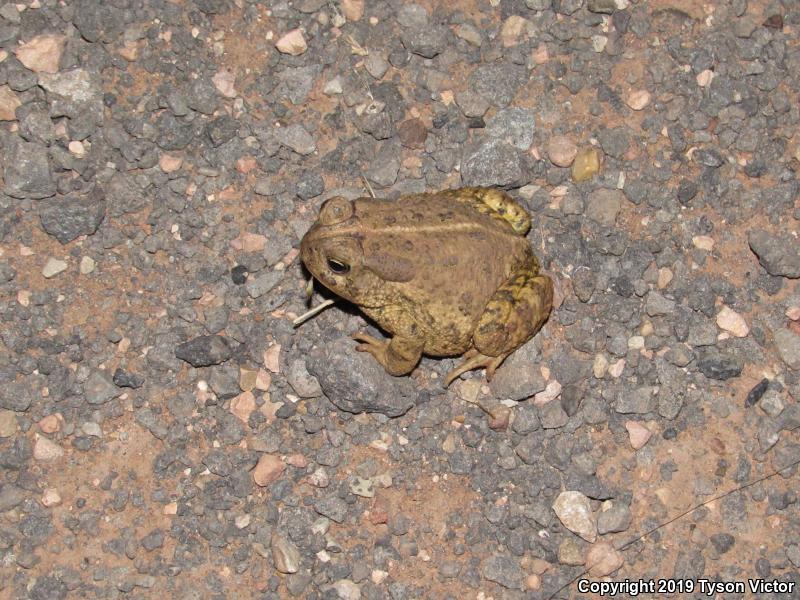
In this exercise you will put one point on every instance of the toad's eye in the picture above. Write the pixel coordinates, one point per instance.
(339, 268)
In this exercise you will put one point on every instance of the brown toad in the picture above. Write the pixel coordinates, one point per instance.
(445, 274)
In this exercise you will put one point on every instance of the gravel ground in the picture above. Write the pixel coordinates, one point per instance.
(165, 432)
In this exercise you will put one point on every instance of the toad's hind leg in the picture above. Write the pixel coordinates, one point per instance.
(513, 315)
(398, 356)
(516, 311)
(475, 360)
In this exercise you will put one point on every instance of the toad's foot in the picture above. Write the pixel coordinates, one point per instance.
(475, 360)
(398, 356)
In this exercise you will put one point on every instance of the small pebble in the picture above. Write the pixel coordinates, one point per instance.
(292, 43)
(574, 511)
(53, 267)
(561, 151)
(8, 423)
(86, 265)
(586, 165)
(638, 99)
(268, 469)
(603, 559)
(51, 497)
(732, 322)
(638, 434)
(353, 10)
(47, 450)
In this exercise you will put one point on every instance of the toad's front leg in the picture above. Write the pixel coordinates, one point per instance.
(398, 356)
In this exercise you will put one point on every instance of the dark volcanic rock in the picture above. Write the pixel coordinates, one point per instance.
(356, 383)
(27, 171)
(204, 351)
(779, 254)
(493, 163)
(715, 365)
(67, 217)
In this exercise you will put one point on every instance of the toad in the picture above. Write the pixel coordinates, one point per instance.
(445, 274)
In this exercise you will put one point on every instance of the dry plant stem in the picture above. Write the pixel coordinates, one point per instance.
(368, 186)
(307, 315)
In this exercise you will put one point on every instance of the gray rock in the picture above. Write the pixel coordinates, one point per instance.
(153, 540)
(519, 377)
(123, 195)
(10, 496)
(657, 305)
(514, 126)
(778, 254)
(492, 163)
(716, 365)
(703, 332)
(530, 449)
(310, 185)
(526, 419)
(793, 554)
(615, 141)
(68, 217)
(384, 168)
(708, 157)
(788, 344)
(222, 129)
(73, 92)
(172, 134)
(412, 16)
(303, 383)
(204, 350)
(230, 429)
(202, 96)
(224, 381)
(786, 454)
(296, 83)
(552, 415)
(296, 138)
(615, 519)
(567, 7)
(498, 82)
(99, 388)
(640, 401)
(604, 205)
(35, 124)
(262, 284)
(356, 383)
(427, 41)
(771, 403)
(332, 507)
(503, 570)
(97, 22)
(722, 542)
(606, 7)
(152, 422)
(689, 564)
(583, 283)
(16, 396)
(376, 65)
(471, 103)
(28, 175)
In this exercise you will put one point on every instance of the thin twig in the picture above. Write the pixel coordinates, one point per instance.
(368, 186)
(629, 543)
(307, 315)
